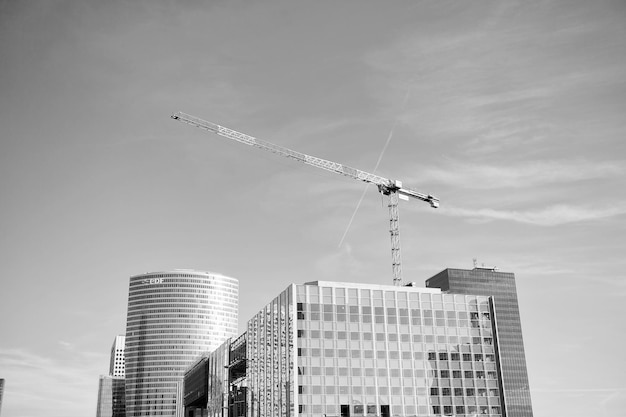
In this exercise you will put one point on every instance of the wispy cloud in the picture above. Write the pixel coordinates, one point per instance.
(482, 176)
(551, 216)
(41, 385)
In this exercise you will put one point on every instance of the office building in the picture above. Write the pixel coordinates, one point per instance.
(173, 317)
(117, 366)
(111, 401)
(510, 347)
(111, 388)
(343, 349)
(1, 393)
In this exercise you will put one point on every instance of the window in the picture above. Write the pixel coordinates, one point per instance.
(455, 356)
(434, 391)
(467, 357)
(445, 374)
(443, 356)
(432, 356)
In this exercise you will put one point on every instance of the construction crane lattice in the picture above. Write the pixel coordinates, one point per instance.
(393, 189)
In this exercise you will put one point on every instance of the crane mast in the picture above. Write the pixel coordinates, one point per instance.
(391, 188)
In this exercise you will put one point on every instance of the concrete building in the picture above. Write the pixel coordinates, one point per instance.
(117, 366)
(510, 347)
(342, 349)
(173, 317)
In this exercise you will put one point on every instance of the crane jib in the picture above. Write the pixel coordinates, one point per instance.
(393, 189)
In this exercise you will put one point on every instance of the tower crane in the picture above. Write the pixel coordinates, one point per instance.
(391, 188)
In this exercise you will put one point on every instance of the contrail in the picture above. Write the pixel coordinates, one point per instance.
(380, 158)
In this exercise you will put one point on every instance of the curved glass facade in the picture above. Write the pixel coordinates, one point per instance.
(173, 317)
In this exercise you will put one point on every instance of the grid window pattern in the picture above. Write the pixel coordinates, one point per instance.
(510, 356)
(411, 342)
(172, 318)
(359, 350)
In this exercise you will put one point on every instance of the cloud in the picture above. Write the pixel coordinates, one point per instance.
(40, 385)
(483, 176)
(551, 216)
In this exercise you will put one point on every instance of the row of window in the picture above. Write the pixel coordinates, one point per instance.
(392, 354)
(407, 391)
(408, 410)
(390, 311)
(407, 373)
(460, 392)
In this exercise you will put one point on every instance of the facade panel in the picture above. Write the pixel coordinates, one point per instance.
(172, 318)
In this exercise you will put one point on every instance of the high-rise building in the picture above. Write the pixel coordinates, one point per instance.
(173, 317)
(343, 349)
(1, 393)
(111, 388)
(117, 365)
(508, 330)
(111, 401)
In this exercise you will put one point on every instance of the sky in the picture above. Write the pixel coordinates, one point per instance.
(510, 112)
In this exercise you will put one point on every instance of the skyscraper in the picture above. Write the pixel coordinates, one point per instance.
(508, 331)
(1, 393)
(111, 395)
(117, 364)
(347, 349)
(173, 317)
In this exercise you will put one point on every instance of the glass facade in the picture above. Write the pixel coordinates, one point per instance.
(111, 401)
(173, 317)
(509, 342)
(339, 349)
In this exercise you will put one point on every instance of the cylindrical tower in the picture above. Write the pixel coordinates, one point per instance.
(173, 316)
